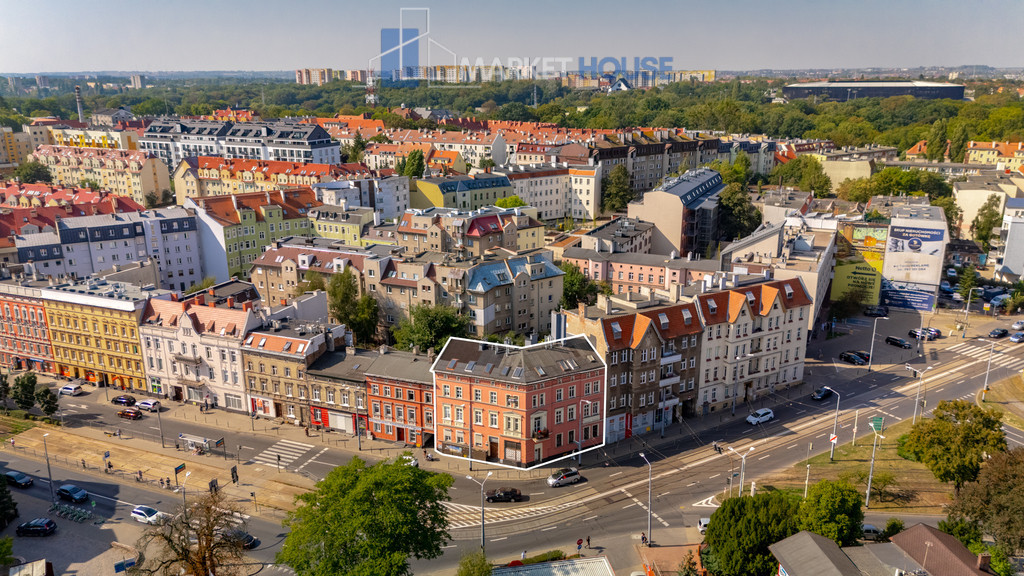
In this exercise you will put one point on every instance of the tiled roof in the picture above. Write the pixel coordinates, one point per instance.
(267, 167)
(946, 556)
(206, 319)
(322, 259)
(107, 156)
(264, 341)
(294, 203)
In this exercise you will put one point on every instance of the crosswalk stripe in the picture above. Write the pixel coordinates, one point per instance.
(293, 443)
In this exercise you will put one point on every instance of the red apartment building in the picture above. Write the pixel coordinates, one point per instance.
(24, 335)
(518, 406)
(399, 391)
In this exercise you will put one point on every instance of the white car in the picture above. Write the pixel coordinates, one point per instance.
(951, 273)
(149, 405)
(1017, 338)
(147, 515)
(702, 524)
(70, 390)
(958, 297)
(1018, 325)
(761, 416)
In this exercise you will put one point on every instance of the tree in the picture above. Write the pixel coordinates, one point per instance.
(989, 216)
(687, 566)
(367, 520)
(195, 541)
(47, 400)
(5, 391)
(207, 282)
(364, 321)
(7, 551)
(485, 163)
(474, 564)
(515, 111)
(833, 510)
(89, 183)
(954, 215)
(616, 190)
(8, 505)
(429, 326)
(738, 217)
(510, 202)
(576, 287)
(968, 281)
(806, 173)
(855, 190)
(311, 282)
(742, 530)
(994, 500)
(936, 149)
(414, 164)
(954, 441)
(343, 296)
(381, 138)
(849, 303)
(32, 172)
(958, 143)
(25, 391)
(892, 527)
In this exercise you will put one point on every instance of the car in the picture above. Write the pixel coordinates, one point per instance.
(408, 460)
(702, 524)
(1018, 325)
(898, 342)
(951, 273)
(821, 393)
(999, 300)
(876, 311)
(852, 358)
(70, 390)
(248, 541)
(72, 493)
(936, 333)
(957, 296)
(919, 334)
(19, 479)
(863, 355)
(563, 477)
(504, 495)
(124, 400)
(1017, 338)
(37, 527)
(871, 532)
(998, 333)
(130, 414)
(147, 515)
(760, 416)
(148, 405)
(945, 286)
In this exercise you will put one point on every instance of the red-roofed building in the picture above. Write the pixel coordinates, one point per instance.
(1004, 155)
(21, 195)
(131, 173)
(399, 392)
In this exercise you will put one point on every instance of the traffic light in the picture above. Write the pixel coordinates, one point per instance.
(234, 474)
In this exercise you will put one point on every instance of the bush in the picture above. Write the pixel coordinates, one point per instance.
(893, 527)
(549, 556)
(901, 449)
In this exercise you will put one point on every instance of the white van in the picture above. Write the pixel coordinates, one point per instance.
(70, 390)
(702, 524)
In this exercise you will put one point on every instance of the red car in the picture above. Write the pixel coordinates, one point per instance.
(130, 414)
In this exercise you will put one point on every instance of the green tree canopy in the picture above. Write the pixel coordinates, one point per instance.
(741, 531)
(343, 296)
(510, 202)
(8, 506)
(804, 172)
(207, 282)
(989, 216)
(47, 400)
(953, 442)
(430, 326)
(576, 287)
(958, 143)
(474, 564)
(936, 150)
(32, 172)
(738, 216)
(994, 500)
(311, 282)
(954, 215)
(616, 190)
(414, 164)
(833, 510)
(968, 282)
(737, 172)
(364, 321)
(5, 391)
(362, 520)
(25, 390)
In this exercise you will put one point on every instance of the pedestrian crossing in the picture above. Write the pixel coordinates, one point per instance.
(981, 352)
(467, 515)
(287, 450)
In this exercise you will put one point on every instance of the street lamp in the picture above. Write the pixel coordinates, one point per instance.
(967, 311)
(991, 350)
(871, 352)
(160, 423)
(871, 471)
(835, 425)
(917, 401)
(184, 506)
(481, 483)
(650, 479)
(743, 464)
(49, 475)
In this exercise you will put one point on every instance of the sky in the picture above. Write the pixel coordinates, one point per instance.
(151, 35)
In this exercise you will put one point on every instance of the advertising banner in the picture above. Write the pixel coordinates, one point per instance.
(857, 273)
(908, 295)
(870, 237)
(914, 254)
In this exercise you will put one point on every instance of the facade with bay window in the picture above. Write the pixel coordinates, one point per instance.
(400, 392)
(24, 335)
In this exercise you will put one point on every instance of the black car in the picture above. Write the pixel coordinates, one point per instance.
(852, 358)
(130, 414)
(247, 541)
(37, 527)
(899, 342)
(918, 334)
(504, 495)
(821, 393)
(876, 311)
(19, 479)
(72, 493)
(124, 400)
(998, 333)
(863, 355)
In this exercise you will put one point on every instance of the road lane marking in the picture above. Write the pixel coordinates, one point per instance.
(499, 539)
(616, 474)
(793, 446)
(765, 456)
(546, 529)
(590, 518)
(713, 477)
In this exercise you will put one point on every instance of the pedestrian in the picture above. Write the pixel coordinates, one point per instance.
(643, 538)
(118, 433)
(161, 482)
(714, 445)
(523, 555)
(588, 542)
(12, 443)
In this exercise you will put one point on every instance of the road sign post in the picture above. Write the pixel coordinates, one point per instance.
(177, 470)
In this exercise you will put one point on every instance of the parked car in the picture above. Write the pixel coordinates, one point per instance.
(147, 515)
(863, 355)
(248, 541)
(130, 414)
(876, 311)
(852, 358)
(951, 273)
(821, 393)
(37, 527)
(936, 333)
(871, 532)
(1017, 338)
(957, 296)
(898, 342)
(563, 477)
(760, 416)
(999, 300)
(72, 493)
(19, 479)
(918, 334)
(702, 524)
(70, 390)
(504, 495)
(124, 400)
(1018, 325)
(998, 333)
(149, 405)
(945, 286)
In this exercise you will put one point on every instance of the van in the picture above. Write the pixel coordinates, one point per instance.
(871, 532)
(70, 390)
(702, 524)
(999, 300)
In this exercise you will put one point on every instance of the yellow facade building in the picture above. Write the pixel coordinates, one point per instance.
(96, 138)
(131, 173)
(337, 223)
(203, 176)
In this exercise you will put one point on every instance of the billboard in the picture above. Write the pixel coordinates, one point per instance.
(870, 237)
(914, 254)
(857, 274)
(909, 295)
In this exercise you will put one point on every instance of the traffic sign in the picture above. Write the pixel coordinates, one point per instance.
(179, 468)
(876, 423)
(106, 454)
(833, 438)
(579, 542)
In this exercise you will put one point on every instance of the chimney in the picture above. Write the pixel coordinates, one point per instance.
(174, 297)
(583, 311)
(430, 353)
(200, 299)
(211, 292)
(212, 303)
(78, 101)
(231, 301)
(984, 561)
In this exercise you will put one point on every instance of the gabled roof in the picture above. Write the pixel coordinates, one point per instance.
(946, 555)
(205, 319)
(294, 203)
(809, 554)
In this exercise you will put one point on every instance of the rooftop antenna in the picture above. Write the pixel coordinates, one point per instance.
(78, 101)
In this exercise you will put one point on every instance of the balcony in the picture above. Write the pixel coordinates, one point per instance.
(541, 434)
(669, 356)
(594, 417)
(671, 380)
